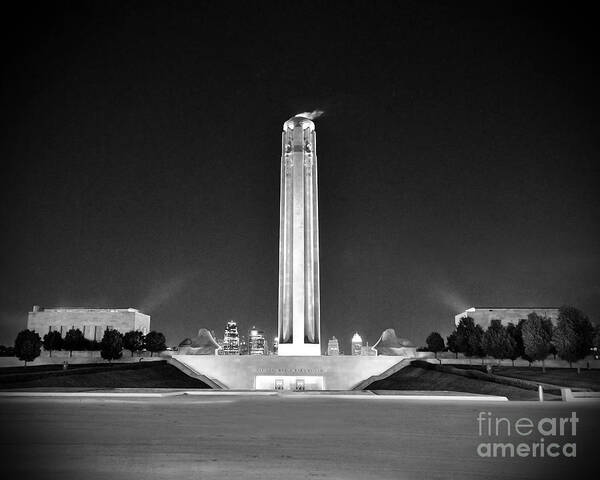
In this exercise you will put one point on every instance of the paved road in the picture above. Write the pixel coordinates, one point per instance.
(268, 437)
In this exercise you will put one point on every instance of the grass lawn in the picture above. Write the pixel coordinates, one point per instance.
(566, 377)
(125, 375)
(416, 378)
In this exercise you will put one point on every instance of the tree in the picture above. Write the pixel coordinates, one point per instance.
(74, 340)
(155, 342)
(514, 351)
(475, 342)
(435, 343)
(537, 337)
(111, 346)
(90, 345)
(7, 351)
(133, 341)
(497, 342)
(28, 346)
(452, 343)
(519, 340)
(468, 338)
(52, 341)
(573, 335)
(596, 340)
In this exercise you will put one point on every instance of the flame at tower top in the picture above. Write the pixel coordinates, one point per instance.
(304, 120)
(310, 115)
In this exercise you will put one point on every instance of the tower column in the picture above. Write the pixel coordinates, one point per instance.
(298, 315)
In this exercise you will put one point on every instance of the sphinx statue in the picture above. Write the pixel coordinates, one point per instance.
(202, 344)
(390, 344)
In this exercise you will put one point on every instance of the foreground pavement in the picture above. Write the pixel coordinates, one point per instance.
(47, 392)
(282, 436)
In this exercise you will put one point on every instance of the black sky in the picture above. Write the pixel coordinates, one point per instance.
(457, 159)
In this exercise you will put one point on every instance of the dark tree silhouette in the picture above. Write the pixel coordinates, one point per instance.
(573, 335)
(537, 337)
(435, 343)
(111, 346)
(514, 351)
(52, 341)
(133, 341)
(74, 340)
(451, 341)
(519, 339)
(497, 342)
(596, 340)
(7, 351)
(28, 346)
(155, 342)
(468, 338)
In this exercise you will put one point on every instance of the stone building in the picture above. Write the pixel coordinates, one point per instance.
(256, 342)
(483, 316)
(91, 321)
(333, 347)
(357, 344)
(231, 341)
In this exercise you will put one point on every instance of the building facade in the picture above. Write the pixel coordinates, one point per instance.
(256, 342)
(243, 345)
(367, 351)
(483, 316)
(231, 340)
(92, 322)
(333, 347)
(357, 344)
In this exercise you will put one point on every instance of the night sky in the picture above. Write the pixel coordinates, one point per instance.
(141, 142)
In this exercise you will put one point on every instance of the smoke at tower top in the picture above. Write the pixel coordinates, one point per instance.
(310, 115)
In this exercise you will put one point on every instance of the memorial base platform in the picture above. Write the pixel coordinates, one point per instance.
(272, 372)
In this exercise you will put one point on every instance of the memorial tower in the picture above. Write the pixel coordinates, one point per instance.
(299, 298)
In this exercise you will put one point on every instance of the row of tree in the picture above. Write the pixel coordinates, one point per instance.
(533, 338)
(28, 343)
(7, 351)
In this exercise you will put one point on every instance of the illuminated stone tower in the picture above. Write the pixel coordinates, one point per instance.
(299, 299)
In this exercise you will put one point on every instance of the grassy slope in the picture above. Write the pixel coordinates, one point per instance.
(150, 375)
(415, 378)
(566, 377)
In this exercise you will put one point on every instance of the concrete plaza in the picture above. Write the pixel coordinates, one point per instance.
(273, 436)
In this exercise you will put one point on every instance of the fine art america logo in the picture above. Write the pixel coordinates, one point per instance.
(547, 437)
